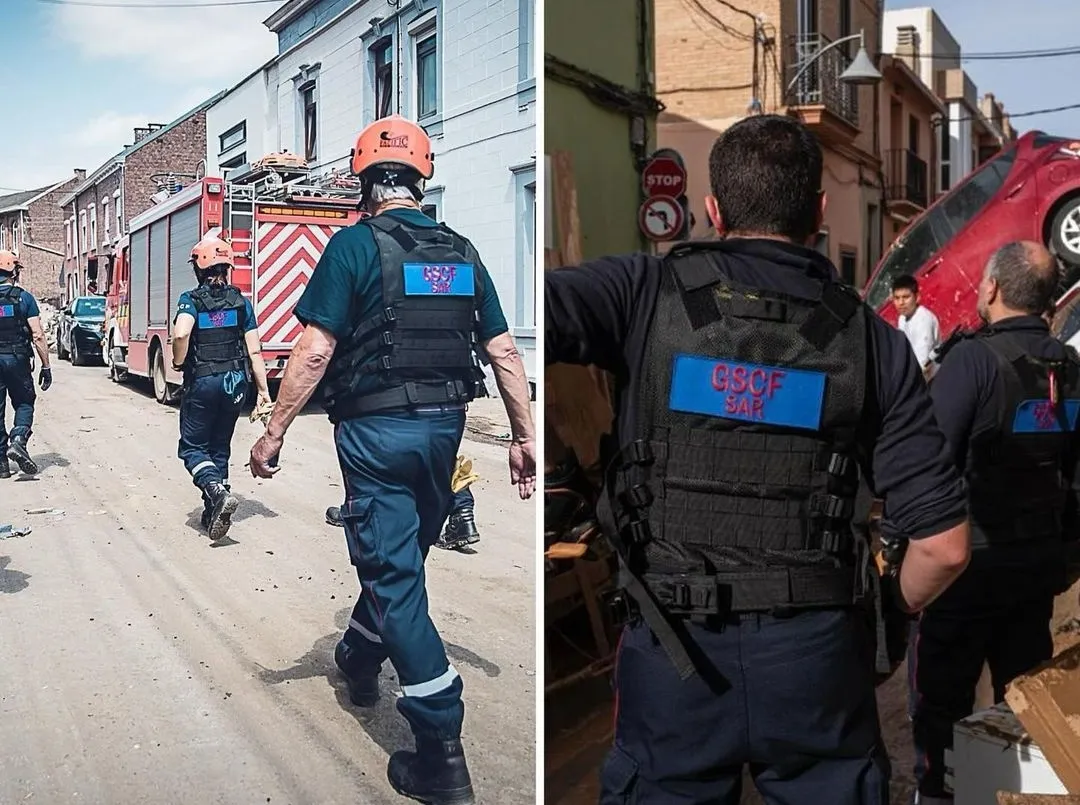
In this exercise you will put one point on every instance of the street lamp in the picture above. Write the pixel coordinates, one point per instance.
(860, 71)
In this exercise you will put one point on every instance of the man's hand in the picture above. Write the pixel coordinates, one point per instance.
(263, 453)
(45, 378)
(523, 466)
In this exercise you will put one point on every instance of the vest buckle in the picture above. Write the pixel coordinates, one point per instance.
(839, 465)
(411, 393)
(831, 507)
(637, 533)
(387, 338)
(638, 454)
(453, 391)
(386, 363)
(389, 315)
(639, 496)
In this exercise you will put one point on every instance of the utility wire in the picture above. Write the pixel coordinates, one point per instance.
(168, 4)
(1003, 55)
(1013, 115)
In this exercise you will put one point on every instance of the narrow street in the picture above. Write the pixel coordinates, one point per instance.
(139, 664)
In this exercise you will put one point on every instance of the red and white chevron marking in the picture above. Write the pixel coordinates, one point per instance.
(286, 256)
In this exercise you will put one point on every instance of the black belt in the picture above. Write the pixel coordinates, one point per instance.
(754, 590)
(208, 369)
(407, 395)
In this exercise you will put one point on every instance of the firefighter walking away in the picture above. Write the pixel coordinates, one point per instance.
(391, 316)
(216, 345)
(21, 335)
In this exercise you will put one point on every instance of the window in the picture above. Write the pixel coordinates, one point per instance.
(431, 211)
(119, 217)
(67, 238)
(946, 147)
(93, 226)
(235, 162)
(105, 219)
(310, 117)
(82, 231)
(384, 79)
(909, 252)
(94, 307)
(913, 134)
(234, 136)
(15, 236)
(528, 280)
(427, 77)
(975, 192)
(849, 260)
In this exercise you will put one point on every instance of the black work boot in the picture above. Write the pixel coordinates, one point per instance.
(333, 517)
(224, 504)
(460, 530)
(17, 453)
(5, 468)
(435, 773)
(363, 688)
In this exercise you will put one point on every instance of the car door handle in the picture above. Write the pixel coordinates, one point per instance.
(1016, 189)
(930, 269)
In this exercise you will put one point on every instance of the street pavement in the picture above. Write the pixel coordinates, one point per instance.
(141, 664)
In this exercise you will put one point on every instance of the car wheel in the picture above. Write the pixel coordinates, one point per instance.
(1065, 233)
(76, 358)
(164, 391)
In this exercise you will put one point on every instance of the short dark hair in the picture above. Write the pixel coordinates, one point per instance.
(906, 282)
(1025, 285)
(765, 173)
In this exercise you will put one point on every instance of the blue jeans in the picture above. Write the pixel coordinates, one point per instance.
(208, 413)
(463, 500)
(16, 384)
(397, 469)
(792, 698)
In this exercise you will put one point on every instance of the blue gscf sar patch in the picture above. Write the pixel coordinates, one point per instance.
(750, 392)
(1042, 416)
(447, 279)
(218, 318)
(7, 311)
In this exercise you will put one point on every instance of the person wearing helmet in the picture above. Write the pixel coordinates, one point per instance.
(392, 315)
(216, 345)
(21, 335)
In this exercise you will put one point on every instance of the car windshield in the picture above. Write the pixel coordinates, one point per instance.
(923, 239)
(90, 307)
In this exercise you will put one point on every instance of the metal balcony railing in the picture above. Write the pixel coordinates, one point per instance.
(906, 177)
(820, 84)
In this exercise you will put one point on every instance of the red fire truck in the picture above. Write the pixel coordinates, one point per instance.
(278, 221)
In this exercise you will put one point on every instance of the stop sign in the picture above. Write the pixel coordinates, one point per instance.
(663, 176)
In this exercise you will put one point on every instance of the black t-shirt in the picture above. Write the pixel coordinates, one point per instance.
(599, 313)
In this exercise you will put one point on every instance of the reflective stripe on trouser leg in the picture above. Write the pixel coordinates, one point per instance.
(397, 476)
(366, 650)
(199, 409)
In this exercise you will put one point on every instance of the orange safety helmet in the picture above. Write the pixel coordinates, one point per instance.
(9, 261)
(393, 139)
(212, 252)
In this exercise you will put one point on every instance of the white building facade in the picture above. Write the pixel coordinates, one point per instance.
(463, 69)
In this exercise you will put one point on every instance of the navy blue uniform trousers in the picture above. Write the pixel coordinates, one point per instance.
(998, 613)
(463, 500)
(16, 384)
(397, 468)
(792, 698)
(208, 413)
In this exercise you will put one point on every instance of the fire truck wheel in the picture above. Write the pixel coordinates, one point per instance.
(164, 391)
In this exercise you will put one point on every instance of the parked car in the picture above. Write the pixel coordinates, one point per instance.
(1029, 190)
(81, 327)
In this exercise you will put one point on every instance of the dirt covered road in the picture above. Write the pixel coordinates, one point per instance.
(140, 664)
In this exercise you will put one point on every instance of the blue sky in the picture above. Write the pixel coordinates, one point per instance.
(981, 26)
(80, 79)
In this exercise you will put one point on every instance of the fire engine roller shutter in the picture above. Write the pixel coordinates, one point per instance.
(183, 235)
(159, 269)
(137, 283)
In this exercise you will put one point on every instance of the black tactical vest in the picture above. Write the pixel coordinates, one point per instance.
(217, 340)
(421, 346)
(1016, 488)
(14, 330)
(735, 487)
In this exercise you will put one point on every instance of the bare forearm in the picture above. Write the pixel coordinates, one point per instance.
(258, 365)
(928, 568)
(41, 346)
(306, 368)
(179, 349)
(513, 385)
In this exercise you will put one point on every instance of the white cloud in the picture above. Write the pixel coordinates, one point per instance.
(108, 130)
(221, 43)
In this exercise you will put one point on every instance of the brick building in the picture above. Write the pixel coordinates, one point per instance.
(95, 213)
(32, 225)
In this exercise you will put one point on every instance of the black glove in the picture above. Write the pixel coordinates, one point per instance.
(45, 378)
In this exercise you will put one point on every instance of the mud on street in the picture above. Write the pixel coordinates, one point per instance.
(142, 664)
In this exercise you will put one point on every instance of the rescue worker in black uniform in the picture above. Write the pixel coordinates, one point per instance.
(1007, 398)
(752, 388)
(392, 315)
(21, 335)
(216, 344)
